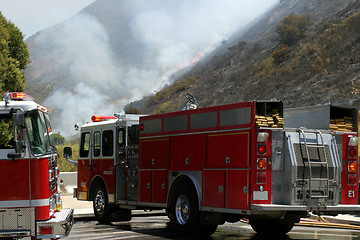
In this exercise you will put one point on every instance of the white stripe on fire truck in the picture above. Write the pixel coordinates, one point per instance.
(25, 203)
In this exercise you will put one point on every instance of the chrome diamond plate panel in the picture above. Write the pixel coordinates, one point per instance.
(17, 220)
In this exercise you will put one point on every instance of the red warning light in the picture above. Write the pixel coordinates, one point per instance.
(98, 118)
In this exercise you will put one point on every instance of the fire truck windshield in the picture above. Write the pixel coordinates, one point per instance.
(39, 132)
(6, 132)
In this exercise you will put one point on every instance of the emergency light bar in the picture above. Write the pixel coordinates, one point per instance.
(19, 96)
(43, 109)
(98, 118)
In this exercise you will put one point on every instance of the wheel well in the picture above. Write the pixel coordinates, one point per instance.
(176, 183)
(96, 181)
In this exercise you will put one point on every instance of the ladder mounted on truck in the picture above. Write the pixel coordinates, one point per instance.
(311, 163)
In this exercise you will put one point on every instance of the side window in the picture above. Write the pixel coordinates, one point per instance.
(107, 143)
(133, 133)
(45, 132)
(85, 144)
(6, 132)
(38, 138)
(97, 144)
(49, 129)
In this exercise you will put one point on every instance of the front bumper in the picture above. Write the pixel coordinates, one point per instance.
(60, 224)
(331, 210)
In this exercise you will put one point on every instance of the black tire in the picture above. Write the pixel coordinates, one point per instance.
(102, 210)
(184, 212)
(206, 230)
(232, 218)
(272, 226)
(285, 227)
(120, 215)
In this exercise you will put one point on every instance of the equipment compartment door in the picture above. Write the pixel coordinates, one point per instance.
(154, 153)
(214, 188)
(188, 151)
(237, 189)
(145, 186)
(228, 150)
(159, 186)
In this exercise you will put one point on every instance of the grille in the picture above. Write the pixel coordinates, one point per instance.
(52, 173)
(53, 184)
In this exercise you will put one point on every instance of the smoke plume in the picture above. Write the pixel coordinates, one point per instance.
(100, 79)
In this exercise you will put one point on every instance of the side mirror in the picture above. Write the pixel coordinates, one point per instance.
(67, 152)
(14, 156)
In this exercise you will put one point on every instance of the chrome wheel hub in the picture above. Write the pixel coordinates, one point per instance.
(99, 202)
(182, 209)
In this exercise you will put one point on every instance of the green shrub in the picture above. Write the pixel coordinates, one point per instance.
(281, 54)
(264, 68)
(292, 28)
(63, 165)
(59, 140)
(166, 107)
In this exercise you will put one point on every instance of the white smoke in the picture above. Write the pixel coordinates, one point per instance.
(173, 35)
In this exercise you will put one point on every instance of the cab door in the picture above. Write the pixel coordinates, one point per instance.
(85, 171)
(104, 161)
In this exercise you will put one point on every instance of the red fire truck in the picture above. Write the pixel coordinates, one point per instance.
(30, 204)
(224, 163)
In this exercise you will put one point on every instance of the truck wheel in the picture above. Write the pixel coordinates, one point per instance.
(285, 227)
(120, 215)
(207, 230)
(101, 205)
(184, 213)
(270, 226)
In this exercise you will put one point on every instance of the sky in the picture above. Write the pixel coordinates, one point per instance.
(31, 16)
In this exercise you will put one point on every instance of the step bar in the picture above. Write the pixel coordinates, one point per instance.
(338, 209)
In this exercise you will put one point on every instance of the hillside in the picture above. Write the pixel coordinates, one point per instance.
(323, 66)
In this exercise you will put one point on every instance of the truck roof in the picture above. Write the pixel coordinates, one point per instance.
(24, 105)
(122, 120)
(102, 123)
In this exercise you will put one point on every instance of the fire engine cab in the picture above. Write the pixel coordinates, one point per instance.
(205, 166)
(30, 205)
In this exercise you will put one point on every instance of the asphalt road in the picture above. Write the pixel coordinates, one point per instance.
(155, 227)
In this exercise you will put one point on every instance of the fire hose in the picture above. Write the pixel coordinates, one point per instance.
(318, 221)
